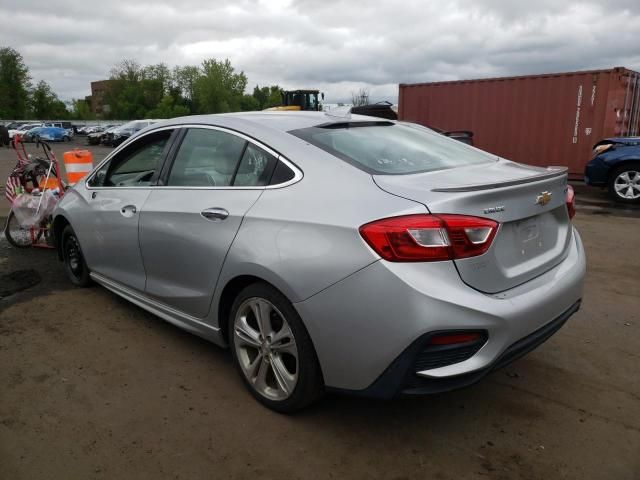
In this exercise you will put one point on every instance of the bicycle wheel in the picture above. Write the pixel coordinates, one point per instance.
(18, 236)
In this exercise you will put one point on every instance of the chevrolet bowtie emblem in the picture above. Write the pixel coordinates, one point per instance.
(543, 198)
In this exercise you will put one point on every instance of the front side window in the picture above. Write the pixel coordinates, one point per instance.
(392, 148)
(206, 158)
(136, 165)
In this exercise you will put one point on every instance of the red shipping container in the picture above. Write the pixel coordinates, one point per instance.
(551, 119)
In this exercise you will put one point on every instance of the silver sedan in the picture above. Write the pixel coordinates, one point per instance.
(345, 254)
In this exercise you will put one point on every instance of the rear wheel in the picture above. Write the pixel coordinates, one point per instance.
(624, 183)
(273, 351)
(74, 263)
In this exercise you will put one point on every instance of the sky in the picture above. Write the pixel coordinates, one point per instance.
(334, 45)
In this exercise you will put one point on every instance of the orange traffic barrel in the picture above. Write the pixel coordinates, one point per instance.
(77, 164)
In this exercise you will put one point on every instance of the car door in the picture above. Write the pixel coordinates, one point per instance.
(116, 195)
(188, 224)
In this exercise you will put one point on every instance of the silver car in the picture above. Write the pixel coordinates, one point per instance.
(347, 254)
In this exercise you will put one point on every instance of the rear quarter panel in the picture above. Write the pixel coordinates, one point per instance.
(304, 237)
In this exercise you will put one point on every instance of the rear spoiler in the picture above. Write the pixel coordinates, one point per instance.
(551, 173)
(450, 133)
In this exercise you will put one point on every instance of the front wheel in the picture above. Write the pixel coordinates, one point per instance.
(272, 350)
(74, 263)
(624, 183)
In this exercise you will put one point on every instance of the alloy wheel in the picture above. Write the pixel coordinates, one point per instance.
(73, 255)
(266, 349)
(627, 185)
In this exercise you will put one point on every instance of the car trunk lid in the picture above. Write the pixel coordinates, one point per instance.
(528, 202)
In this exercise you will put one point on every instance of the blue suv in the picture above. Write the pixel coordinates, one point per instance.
(616, 165)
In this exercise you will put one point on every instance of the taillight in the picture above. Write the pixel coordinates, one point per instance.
(428, 238)
(571, 201)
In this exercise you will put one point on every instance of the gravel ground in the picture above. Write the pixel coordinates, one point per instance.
(94, 387)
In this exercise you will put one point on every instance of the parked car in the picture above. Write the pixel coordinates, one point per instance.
(100, 134)
(616, 166)
(22, 129)
(88, 129)
(83, 130)
(95, 137)
(48, 134)
(122, 133)
(373, 258)
(67, 126)
(15, 125)
(94, 128)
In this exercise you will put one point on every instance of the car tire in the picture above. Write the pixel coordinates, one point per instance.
(75, 265)
(282, 348)
(624, 183)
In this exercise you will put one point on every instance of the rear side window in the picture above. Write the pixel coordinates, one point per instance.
(206, 158)
(281, 174)
(392, 148)
(255, 168)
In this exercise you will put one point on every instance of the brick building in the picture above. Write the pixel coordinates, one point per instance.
(98, 94)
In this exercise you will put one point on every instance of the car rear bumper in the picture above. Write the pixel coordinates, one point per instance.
(401, 379)
(370, 328)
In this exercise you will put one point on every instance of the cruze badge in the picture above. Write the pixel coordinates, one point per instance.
(543, 198)
(496, 209)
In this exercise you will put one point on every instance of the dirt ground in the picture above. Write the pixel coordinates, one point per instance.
(94, 387)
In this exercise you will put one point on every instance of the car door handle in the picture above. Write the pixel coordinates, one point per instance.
(128, 210)
(214, 214)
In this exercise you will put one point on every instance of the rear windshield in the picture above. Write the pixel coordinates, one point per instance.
(388, 148)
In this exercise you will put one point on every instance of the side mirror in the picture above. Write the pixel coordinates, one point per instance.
(322, 95)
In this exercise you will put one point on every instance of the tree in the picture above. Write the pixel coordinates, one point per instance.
(81, 110)
(156, 83)
(127, 69)
(137, 91)
(219, 89)
(248, 103)
(14, 84)
(167, 108)
(361, 97)
(45, 104)
(184, 81)
(125, 97)
(268, 96)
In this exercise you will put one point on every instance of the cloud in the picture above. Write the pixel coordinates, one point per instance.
(335, 45)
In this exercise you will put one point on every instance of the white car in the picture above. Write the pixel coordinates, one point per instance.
(22, 129)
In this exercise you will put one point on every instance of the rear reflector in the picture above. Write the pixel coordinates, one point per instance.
(571, 201)
(428, 238)
(455, 338)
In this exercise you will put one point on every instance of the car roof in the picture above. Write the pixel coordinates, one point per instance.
(282, 121)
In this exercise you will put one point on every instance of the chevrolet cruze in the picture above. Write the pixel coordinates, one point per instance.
(330, 253)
